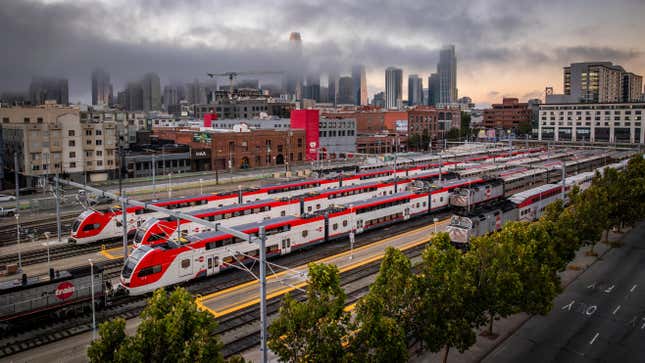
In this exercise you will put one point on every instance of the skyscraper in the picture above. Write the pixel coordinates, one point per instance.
(101, 87)
(332, 86)
(393, 87)
(415, 90)
(295, 74)
(195, 93)
(433, 89)
(345, 88)
(447, 72)
(134, 96)
(312, 90)
(151, 92)
(359, 88)
(42, 89)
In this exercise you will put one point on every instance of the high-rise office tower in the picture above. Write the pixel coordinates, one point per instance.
(151, 92)
(42, 89)
(195, 93)
(594, 82)
(415, 90)
(312, 90)
(134, 96)
(101, 88)
(433, 90)
(332, 87)
(359, 87)
(173, 94)
(295, 75)
(447, 72)
(632, 86)
(393, 87)
(345, 91)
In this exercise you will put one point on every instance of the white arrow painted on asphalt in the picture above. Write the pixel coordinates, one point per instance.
(569, 306)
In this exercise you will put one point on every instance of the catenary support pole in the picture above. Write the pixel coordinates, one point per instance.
(124, 212)
(93, 303)
(263, 296)
(16, 169)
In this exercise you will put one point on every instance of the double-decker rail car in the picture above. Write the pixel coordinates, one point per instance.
(289, 189)
(180, 260)
(66, 291)
(101, 225)
(158, 230)
(470, 197)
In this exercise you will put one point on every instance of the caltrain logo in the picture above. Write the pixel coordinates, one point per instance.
(65, 290)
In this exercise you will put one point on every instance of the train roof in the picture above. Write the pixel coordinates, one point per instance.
(241, 228)
(223, 209)
(521, 196)
(377, 200)
(503, 205)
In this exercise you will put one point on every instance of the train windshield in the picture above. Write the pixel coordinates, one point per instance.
(133, 259)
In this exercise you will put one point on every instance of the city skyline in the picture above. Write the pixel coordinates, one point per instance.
(495, 45)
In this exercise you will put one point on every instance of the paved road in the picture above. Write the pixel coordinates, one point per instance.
(599, 318)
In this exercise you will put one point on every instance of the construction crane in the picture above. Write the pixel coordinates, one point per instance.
(233, 75)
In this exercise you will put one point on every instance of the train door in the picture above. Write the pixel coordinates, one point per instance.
(286, 245)
(213, 265)
(359, 226)
(406, 213)
(185, 266)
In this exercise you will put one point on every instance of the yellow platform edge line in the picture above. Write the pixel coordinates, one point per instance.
(323, 260)
(254, 301)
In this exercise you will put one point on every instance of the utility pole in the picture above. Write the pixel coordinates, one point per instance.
(15, 171)
(564, 176)
(263, 296)
(124, 211)
(154, 185)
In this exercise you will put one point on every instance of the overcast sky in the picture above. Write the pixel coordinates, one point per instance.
(504, 48)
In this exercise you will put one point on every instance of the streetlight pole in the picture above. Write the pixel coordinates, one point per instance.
(169, 185)
(154, 184)
(201, 190)
(93, 306)
(263, 294)
(15, 171)
(435, 220)
(351, 231)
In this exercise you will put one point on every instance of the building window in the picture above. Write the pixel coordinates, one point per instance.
(39, 120)
(99, 133)
(72, 154)
(99, 142)
(71, 133)
(99, 163)
(72, 143)
(5, 120)
(26, 120)
(99, 153)
(299, 142)
(88, 132)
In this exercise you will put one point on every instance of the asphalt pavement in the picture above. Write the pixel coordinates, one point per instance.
(600, 317)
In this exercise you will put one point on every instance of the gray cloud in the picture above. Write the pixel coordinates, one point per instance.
(179, 40)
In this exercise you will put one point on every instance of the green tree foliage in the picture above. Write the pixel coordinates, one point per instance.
(313, 330)
(499, 285)
(172, 329)
(447, 290)
(633, 182)
(386, 315)
(465, 124)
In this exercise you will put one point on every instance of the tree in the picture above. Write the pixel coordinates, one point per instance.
(386, 315)
(633, 182)
(465, 124)
(590, 214)
(313, 330)
(561, 224)
(536, 262)
(172, 329)
(499, 286)
(447, 290)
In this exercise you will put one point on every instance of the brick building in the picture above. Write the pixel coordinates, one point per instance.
(370, 120)
(427, 123)
(510, 114)
(240, 150)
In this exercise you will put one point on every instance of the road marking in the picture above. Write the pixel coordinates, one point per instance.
(594, 338)
(633, 288)
(608, 290)
(616, 310)
(592, 308)
(643, 326)
(569, 306)
(232, 308)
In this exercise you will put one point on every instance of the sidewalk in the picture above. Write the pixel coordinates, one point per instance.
(506, 327)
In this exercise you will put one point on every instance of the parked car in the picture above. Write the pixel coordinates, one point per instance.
(7, 198)
(7, 212)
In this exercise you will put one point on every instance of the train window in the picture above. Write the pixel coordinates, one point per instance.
(91, 227)
(248, 211)
(309, 209)
(345, 223)
(424, 204)
(335, 226)
(418, 204)
(227, 215)
(237, 213)
(210, 263)
(317, 206)
(185, 263)
(283, 213)
(305, 233)
(146, 271)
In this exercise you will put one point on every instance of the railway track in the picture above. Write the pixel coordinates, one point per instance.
(35, 229)
(33, 257)
(48, 331)
(249, 317)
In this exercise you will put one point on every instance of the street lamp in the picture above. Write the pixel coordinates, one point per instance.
(435, 220)
(93, 306)
(201, 190)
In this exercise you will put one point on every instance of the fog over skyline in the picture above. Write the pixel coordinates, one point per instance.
(503, 49)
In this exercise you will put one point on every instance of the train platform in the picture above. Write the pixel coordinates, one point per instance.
(29, 245)
(42, 268)
(244, 295)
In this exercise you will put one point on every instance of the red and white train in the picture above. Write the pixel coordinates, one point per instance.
(151, 267)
